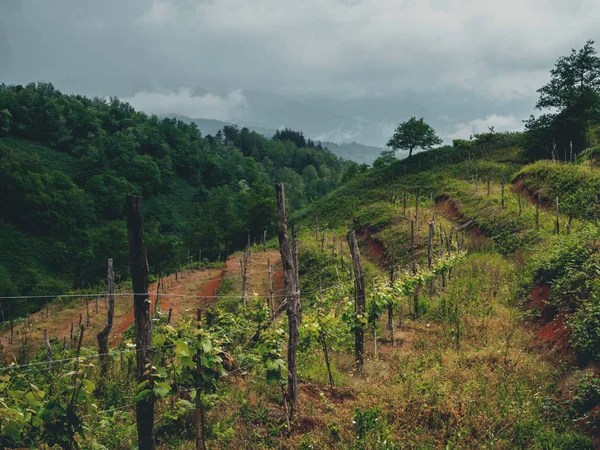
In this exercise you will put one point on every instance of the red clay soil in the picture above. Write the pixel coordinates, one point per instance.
(554, 335)
(449, 208)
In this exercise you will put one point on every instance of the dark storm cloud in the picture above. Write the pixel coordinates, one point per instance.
(464, 59)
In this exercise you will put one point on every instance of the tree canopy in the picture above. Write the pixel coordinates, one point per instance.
(573, 95)
(67, 161)
(413, 134)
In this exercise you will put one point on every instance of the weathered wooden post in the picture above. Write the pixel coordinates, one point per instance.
(48, 348)
(412, 247)
(244, 268)
(271, 300)
(292, 297)
(264, 240)
(143, 325)
(103, 335)
(87, 312)
(430, 246)
(417, 208)
(390, 306)
(359, 287)
(169, 316)
(557, 225)
(569, 223)
(199, 412)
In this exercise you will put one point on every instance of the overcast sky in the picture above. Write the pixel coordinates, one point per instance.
(471, 63)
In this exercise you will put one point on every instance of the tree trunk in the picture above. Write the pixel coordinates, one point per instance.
(143, 327)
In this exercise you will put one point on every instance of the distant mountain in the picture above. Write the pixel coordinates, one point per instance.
(211, 126)
(352, 151)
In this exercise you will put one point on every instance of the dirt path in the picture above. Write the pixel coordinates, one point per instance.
(182, 296)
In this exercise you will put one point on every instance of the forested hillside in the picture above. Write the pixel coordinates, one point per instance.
(67, 161)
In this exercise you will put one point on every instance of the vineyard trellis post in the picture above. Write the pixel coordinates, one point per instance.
(199, 413)
(143, 325)
(359, 287)
(48, 348)
(390, 306)
(557, 224)
(271, 305)
(292, 297)
(103, 335)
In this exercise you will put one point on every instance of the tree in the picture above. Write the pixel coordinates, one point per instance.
(386, 158)
(573, 92)
(5, 119)
(413, 134)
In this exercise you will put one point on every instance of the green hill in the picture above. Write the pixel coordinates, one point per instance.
(66, 163)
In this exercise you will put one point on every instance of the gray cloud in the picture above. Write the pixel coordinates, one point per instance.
(465, 59)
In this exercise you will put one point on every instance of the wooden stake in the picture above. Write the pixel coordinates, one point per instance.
(292, 296)
(430, 246)
(557, 226)
(48, 348)
(143, 325)
(199, 413)
(359, 287)
(103, 335)
(271, 306)
(537, 214)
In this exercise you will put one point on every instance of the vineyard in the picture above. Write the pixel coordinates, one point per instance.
(434, 303)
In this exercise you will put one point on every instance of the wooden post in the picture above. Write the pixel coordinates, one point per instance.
(412, 247)
(292, 297)
(323, 240)
(103, 335)
(97, 302)
(271, 306)
(80, 320)
(392, 279)
(430, 246)
(265, 241)
(359, 287)
(503, 184)
(199, 413)
(295, 255)
(557, 225)
(417, 208)
(87, 312)
(48, 348)
(169, 316)
(244, 267)
(143, 325)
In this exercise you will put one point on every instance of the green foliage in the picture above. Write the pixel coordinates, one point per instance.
(372, 430)
(199, 192)
(413, 134)
(574, 92)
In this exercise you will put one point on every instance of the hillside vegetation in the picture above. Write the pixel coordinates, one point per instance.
(66, 163)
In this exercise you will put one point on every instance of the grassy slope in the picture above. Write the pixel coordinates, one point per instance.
(462, 375)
